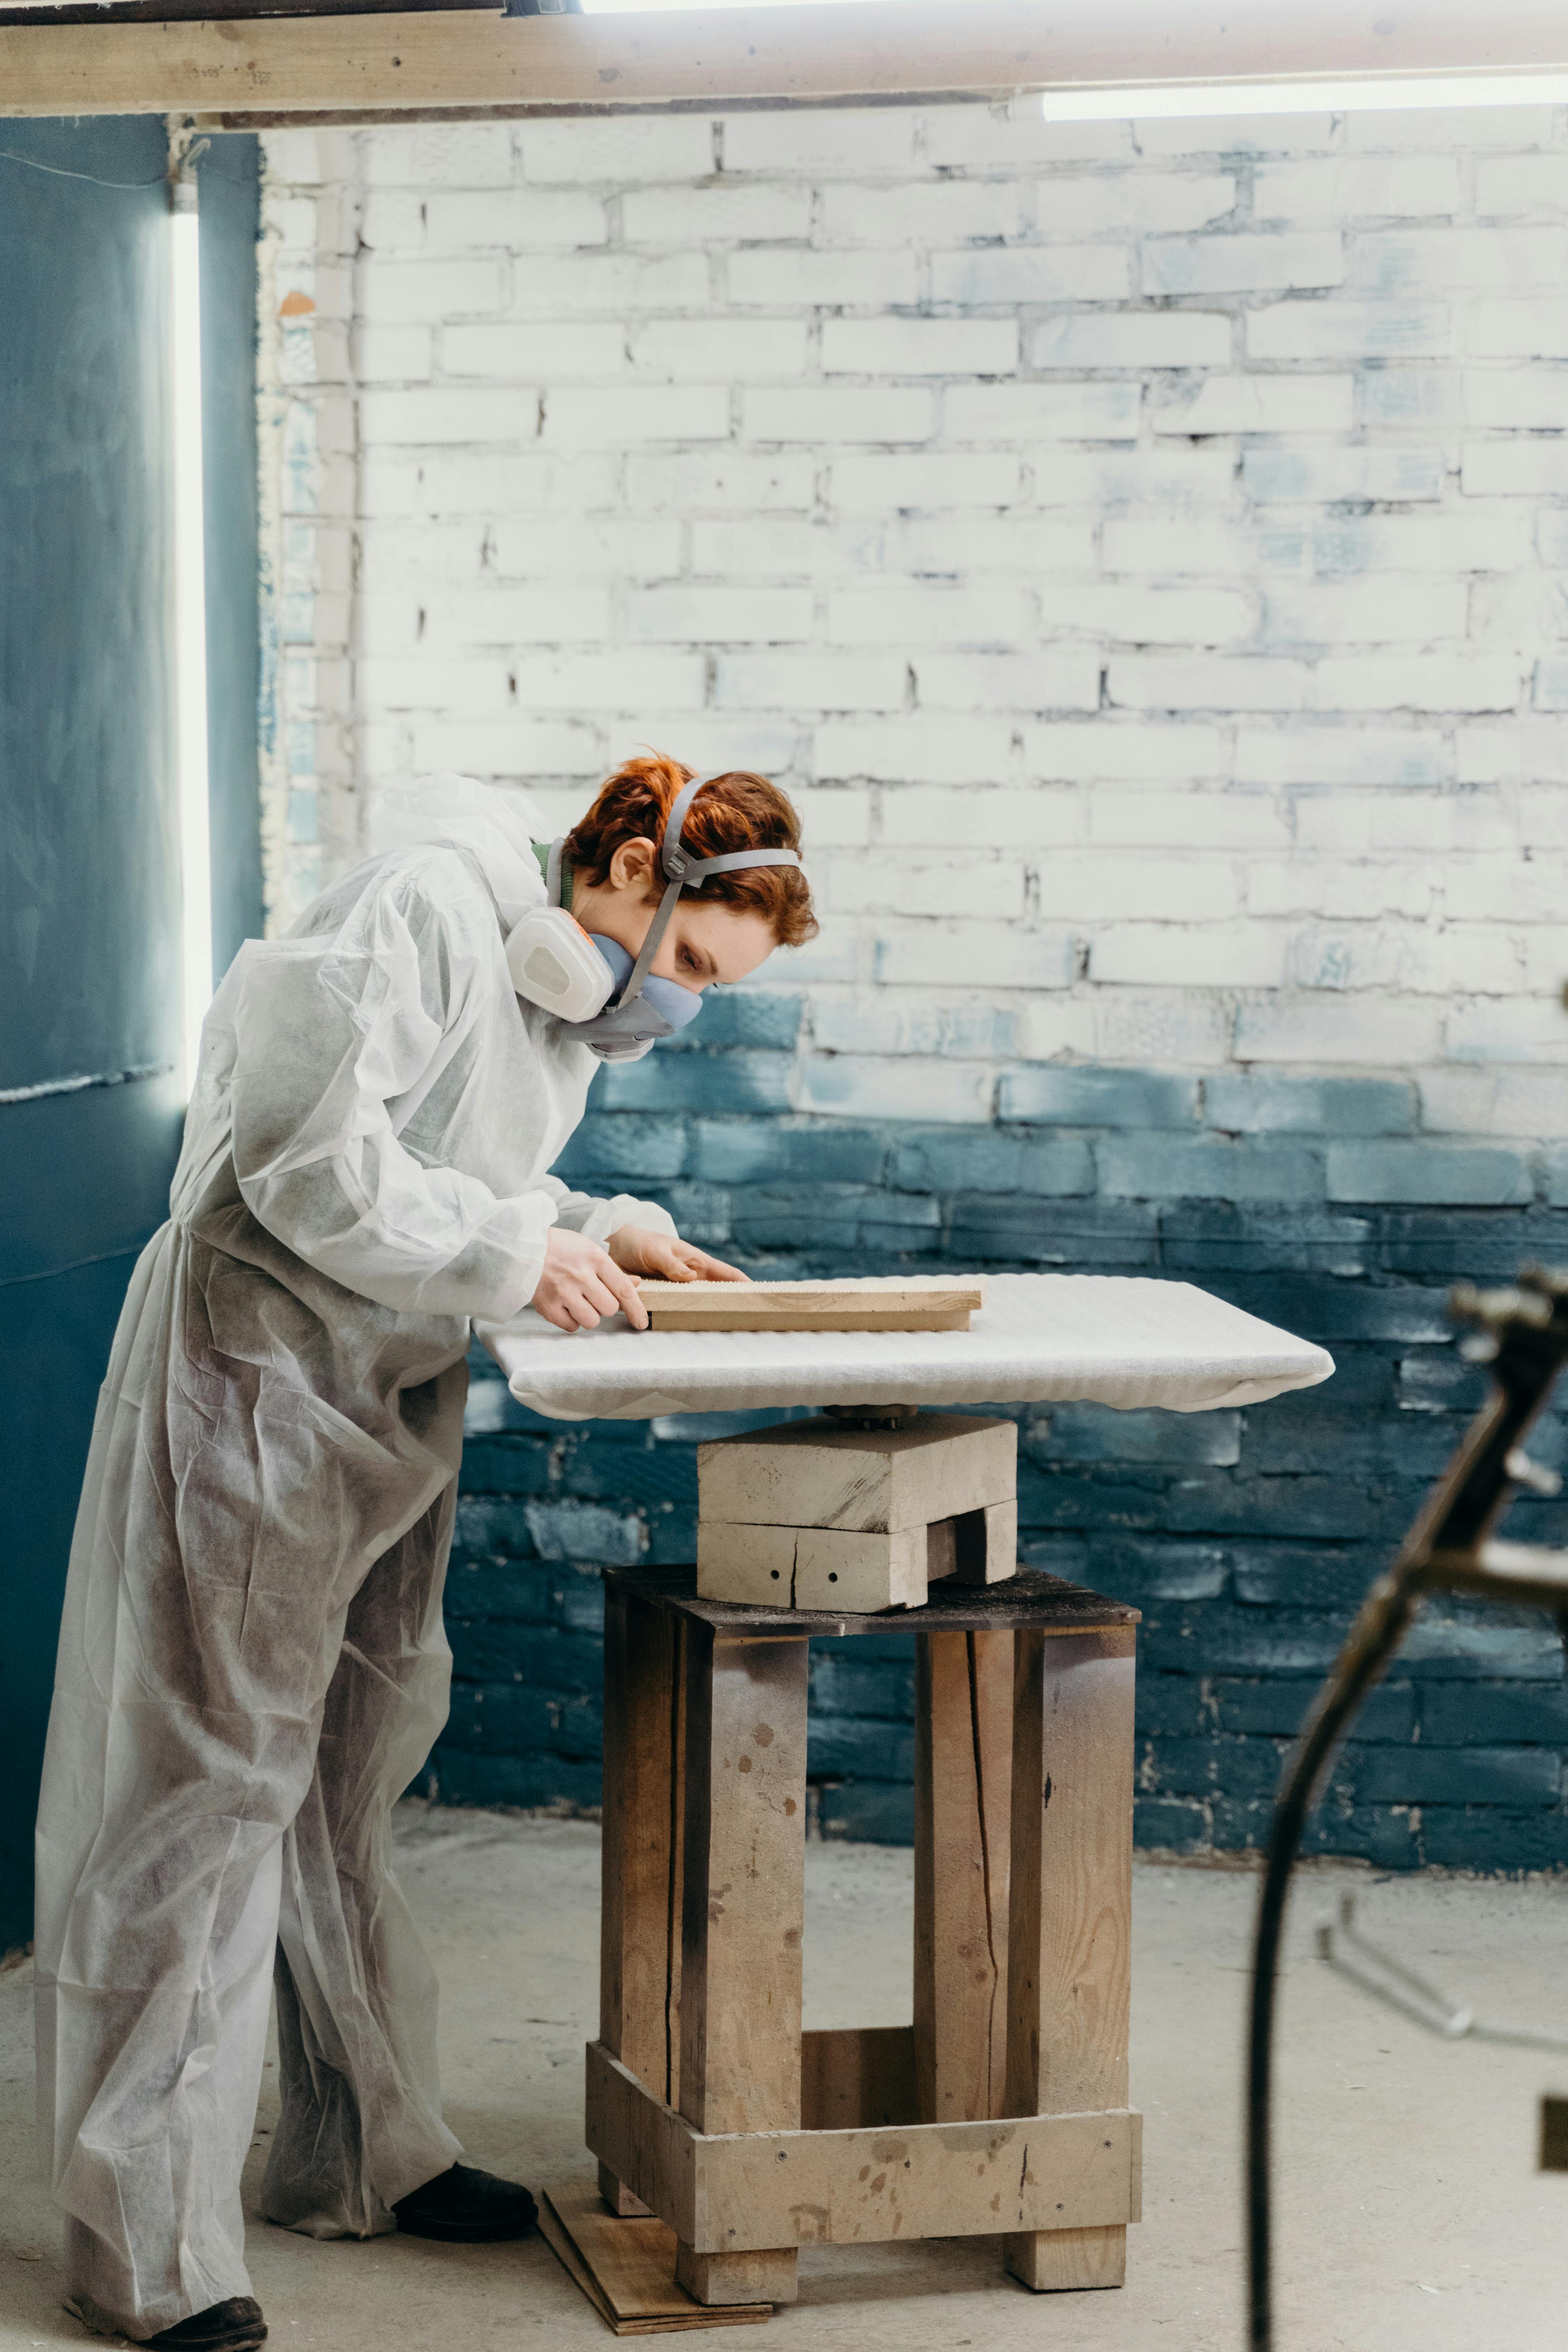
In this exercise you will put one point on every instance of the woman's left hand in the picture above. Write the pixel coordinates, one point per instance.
(639, 1249)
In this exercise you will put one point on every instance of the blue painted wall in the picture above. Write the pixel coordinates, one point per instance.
(89, 1111)
(1246, 1537)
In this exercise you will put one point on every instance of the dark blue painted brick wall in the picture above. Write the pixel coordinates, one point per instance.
(1246, 1538)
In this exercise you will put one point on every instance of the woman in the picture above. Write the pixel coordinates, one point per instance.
(252, 1665)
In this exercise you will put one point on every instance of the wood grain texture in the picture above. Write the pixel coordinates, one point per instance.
(964, 1771)
(976, 1547)
(869, 1303)
(744, 1913)
(1069, 1948)
(619, 2199)
(638, 1946)
(821, 1473)
(643, 1832)
(264, 70)
(744, 1894)
(764, 2191)
(858, 2076)
(626, 2270)
(812, 1568)
(766, 2275)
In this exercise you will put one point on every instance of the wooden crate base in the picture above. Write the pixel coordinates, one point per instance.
(627, 2268)
(731, 2192)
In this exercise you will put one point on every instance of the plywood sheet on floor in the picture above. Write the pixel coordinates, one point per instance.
(627, 2268)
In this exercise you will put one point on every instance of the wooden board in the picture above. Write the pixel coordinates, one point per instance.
(1070, 1959)
(634, 1926)
(963, 1765)
(859, 2074)
(639, 1912)
(742, 1915)
(1029, 1598)
(857, 1303)
(244, 73)
(743, 1925)
(627, 2268)
(746, 2190)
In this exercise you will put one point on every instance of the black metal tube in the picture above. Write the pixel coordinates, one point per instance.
(1373, 1638)
(1458, 1513)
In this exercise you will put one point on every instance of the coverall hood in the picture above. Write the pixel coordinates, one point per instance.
(499, 828)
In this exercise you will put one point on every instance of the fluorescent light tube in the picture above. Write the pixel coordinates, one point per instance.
(1196, 99)
(190, 623)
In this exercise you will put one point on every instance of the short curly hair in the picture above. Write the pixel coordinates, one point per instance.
(736, 810)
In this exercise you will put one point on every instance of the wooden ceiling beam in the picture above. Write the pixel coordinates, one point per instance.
(466, 60)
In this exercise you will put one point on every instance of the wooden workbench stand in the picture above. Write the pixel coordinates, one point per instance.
(1002, 2110)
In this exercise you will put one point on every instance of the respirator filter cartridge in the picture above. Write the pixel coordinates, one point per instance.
(553, 963)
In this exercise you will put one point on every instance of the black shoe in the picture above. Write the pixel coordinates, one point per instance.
(236, 2326)
(468, 2208)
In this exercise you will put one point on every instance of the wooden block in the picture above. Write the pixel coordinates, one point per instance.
(810, 1568)
(1001, 1549)
(744, 1910)
(870, 1303)
(618, 2198)
(721, 2280)
(963, 1765)
(977, 1547)
(741, 2192)
(822, 1474)
(864, 2074)
(1069, 1948)
(626, 2269)
(639, 1913)
(835, 1569)
(1067, 2261)
(752, 1564)
(744, 1904)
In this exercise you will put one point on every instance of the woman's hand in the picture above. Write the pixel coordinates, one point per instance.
(639, 1250)
(582, 1282)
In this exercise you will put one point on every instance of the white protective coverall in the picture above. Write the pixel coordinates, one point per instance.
(252, 1663)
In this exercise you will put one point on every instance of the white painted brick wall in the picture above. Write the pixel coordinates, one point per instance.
(1142, 549)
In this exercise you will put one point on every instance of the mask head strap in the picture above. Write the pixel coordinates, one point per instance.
(688, 873)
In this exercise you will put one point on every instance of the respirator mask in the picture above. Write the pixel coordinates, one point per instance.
(594, 989)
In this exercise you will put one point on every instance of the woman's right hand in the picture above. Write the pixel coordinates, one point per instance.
(582, 1282)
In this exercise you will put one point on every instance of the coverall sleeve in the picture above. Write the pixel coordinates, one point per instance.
(329, 1037)
(599, 1219)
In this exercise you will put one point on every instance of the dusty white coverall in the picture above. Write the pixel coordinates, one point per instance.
(252, 1665)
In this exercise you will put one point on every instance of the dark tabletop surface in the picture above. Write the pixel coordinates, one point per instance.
(1028, 1599)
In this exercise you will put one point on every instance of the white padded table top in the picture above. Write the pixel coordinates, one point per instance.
(1116, 1340)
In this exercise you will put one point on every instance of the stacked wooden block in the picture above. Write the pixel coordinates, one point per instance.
(843, 1514)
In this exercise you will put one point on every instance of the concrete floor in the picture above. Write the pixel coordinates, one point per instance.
(1413, 2215)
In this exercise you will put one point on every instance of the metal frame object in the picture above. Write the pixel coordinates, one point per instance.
(1524, 1336)
(1344, 1947)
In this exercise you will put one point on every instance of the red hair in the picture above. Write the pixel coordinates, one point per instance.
(737, 811)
